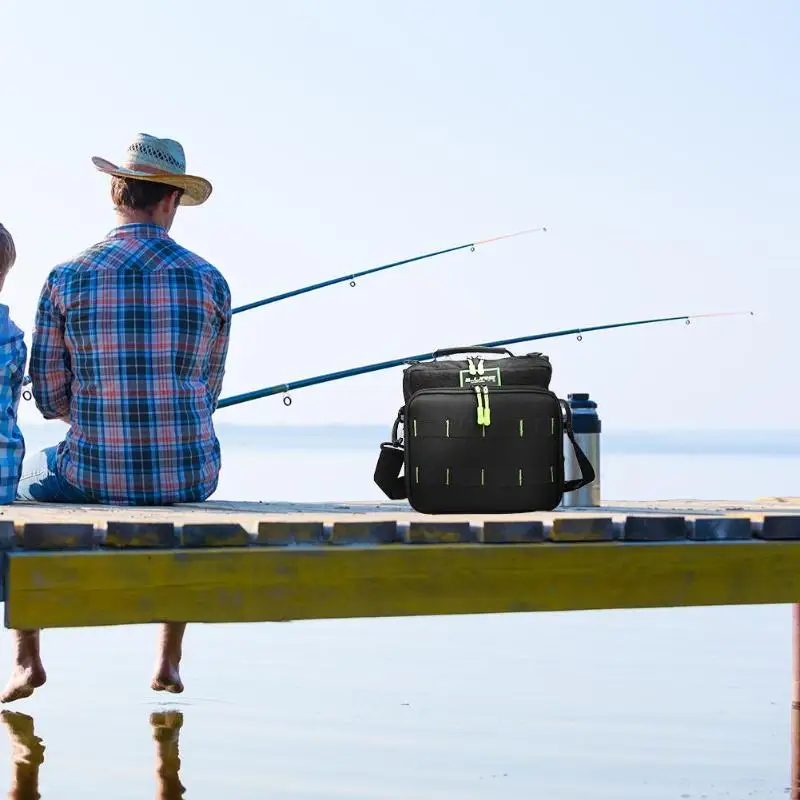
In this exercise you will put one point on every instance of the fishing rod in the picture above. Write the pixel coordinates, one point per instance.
(398, 362)
(352, 276)
(28, 395)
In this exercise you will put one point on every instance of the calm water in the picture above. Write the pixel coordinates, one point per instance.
(656, 704)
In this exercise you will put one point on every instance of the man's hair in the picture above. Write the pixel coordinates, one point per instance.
(139, 195)
(8, 253)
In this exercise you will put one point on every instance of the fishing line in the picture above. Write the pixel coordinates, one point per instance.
(351, 276)
(285, 388)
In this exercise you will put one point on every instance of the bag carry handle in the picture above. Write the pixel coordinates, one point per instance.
(451, 351)
(587, 470)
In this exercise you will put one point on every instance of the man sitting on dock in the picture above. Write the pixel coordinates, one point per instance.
(129, 350)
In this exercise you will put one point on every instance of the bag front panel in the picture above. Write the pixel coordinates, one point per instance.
(453, 464)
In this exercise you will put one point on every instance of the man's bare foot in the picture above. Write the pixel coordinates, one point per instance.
(24, 679)
(167, 679)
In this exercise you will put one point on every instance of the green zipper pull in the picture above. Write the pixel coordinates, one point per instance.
(487, 415)
(480, 404)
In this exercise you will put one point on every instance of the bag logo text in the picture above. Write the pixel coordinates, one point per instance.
(489, 376)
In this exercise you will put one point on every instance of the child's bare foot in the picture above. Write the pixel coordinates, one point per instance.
(167, 679)
(24, 679)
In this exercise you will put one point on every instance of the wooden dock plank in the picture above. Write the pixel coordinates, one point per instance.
(582, 529)
(721, 528)
(654, 528)
(56, 536)
(288, 532)
(253, 584)
(251, 514)
(139, 534)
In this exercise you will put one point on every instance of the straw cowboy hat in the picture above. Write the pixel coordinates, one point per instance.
(160, 161)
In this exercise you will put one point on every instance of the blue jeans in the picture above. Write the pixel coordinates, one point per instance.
(41, 482)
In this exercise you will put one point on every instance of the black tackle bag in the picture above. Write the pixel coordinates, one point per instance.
(480, 436)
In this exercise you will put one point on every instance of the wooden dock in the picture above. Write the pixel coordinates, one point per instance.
(74, 566)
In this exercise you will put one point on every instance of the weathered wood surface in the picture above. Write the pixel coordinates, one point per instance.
(249, 514)
(245, 562)
(243, 584)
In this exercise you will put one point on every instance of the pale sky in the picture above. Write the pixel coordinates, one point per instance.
(658, 142)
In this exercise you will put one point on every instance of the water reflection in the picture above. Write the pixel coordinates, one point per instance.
(166, 731)
(27, 755)
(794, 786)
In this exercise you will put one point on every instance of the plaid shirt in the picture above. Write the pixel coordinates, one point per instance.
(14, 354)
(129, 347)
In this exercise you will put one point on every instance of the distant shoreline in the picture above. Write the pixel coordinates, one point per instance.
(773, 443)
(679, 442)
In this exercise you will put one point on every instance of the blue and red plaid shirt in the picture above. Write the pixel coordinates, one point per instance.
(130, 344)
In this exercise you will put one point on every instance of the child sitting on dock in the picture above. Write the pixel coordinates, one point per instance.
(14, 355)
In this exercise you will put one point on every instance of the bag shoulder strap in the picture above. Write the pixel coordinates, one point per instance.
(390, 464)
(387, 472)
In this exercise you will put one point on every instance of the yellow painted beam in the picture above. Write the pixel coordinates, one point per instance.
(72, 589)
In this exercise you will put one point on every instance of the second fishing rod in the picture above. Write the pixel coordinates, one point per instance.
(285, 388)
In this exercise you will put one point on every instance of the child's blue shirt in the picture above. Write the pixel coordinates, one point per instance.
(13, 358)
